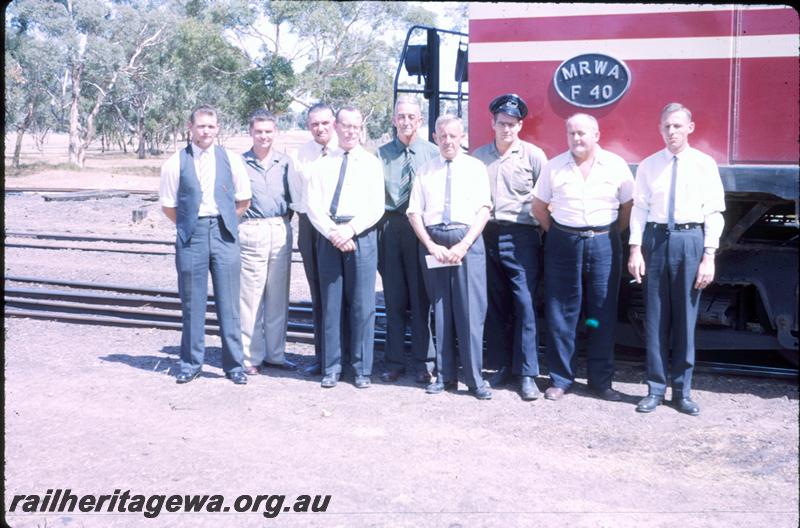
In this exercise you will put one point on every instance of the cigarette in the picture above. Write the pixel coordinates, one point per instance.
(631, 281)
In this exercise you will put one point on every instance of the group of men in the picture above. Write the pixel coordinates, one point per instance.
(467, 238)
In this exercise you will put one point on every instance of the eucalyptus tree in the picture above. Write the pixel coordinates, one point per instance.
(349, 50)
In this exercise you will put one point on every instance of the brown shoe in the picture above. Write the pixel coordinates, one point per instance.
(553, 393)
(252, 371)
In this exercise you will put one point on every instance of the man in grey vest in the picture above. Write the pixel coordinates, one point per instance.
(204, 189)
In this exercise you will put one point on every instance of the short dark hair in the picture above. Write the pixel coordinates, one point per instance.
(260, 115)
(204, 109)
(319, 107)
(348, 108)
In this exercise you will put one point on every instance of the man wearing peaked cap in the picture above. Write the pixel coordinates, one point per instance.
(513, 246)
(510, 104)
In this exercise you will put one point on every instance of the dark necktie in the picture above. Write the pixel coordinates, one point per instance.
(338, 191)
(406, 173)
(447, 185)
(672, 185)
(324, 151)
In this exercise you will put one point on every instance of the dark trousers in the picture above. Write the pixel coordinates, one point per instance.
(458, 296)
(671, 303)
(347, 285)
(307, 244)
(512, 274)
(581, 272)
(209, 248)
(404, 289)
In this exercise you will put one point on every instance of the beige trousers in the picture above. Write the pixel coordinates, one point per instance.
(266, 246)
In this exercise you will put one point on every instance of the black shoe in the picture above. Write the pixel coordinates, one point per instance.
(312, 370)
(686, 406)
(330, 380)
(500, 378)
(391, 375)
(287, 365)
(437, 387)
(423, 378)
(239, 378)
(482, 393)
(608, 394)
(528, 389)
(362, 382)
(186, 377)
(649, 403)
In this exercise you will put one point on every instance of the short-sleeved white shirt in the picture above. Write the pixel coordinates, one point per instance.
(578, 202)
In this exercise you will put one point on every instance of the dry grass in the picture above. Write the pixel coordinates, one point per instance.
(50, 167)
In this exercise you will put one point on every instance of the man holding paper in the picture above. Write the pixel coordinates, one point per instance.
(449, 205)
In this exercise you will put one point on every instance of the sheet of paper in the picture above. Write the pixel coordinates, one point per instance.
(432, 263)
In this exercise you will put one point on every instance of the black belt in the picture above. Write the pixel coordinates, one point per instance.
(678, 227)
(583, 232)
(509, 223)
(447, 227)
(339, 220)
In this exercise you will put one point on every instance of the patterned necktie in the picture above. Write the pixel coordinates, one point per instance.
(324, 151)
(672, 185)
(406, 173)
(338, 191)
(447, 188)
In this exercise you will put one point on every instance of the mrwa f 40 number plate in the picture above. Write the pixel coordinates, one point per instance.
(591, 80)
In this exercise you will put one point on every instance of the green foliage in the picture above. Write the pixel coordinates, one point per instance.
(140, 66)
(268, 86)
(349, 60)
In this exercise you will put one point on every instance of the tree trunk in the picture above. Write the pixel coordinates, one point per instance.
(21, 129)
(141, 150)
(74, 134)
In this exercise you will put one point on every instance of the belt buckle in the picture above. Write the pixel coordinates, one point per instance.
(586, 234)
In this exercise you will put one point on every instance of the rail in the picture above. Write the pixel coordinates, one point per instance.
(126, 306)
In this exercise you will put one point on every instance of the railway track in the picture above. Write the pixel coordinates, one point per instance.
(73, 190)
(103, 244)
(118, 305)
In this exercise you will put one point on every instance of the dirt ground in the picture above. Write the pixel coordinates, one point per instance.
(96, 409)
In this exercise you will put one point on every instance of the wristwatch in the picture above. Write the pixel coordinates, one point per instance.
(710, 251)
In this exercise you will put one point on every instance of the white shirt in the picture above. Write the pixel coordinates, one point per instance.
(469, 190)
(307, 154)
(578, 202)
(171, 176)
(699, 195)
(362, 194)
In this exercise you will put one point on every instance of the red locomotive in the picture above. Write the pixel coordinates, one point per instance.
(735, 66)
